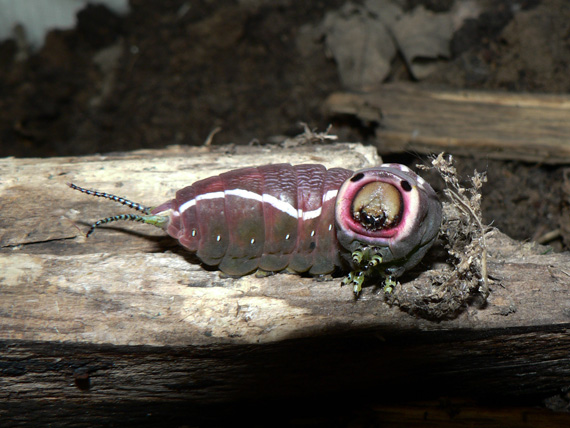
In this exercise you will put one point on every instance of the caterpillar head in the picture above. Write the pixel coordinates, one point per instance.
(391, 210)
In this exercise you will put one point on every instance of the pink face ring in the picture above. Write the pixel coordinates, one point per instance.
(391, 213)
(304, 218)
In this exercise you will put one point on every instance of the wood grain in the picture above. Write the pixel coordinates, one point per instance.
(128, 315)
(526, 127)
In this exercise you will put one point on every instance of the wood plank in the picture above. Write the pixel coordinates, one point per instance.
(123, 270)
(526, 127)
(127, 313)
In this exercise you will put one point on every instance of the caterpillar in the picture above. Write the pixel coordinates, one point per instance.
(377, 221)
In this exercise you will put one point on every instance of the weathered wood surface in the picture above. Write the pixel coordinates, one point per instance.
(129, 283)
(527, 127)
(127, 314)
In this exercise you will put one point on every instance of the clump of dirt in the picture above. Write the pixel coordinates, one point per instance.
(453, 284)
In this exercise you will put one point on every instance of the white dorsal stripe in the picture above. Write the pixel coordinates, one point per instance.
(282, 206)
(276, 203)
(331, 194)
(307, 215)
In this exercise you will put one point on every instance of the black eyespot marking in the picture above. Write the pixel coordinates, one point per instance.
(406, 186)
(357, 177)
(312, 245)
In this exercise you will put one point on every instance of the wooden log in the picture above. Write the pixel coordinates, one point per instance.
(128, 315)
(498, 125)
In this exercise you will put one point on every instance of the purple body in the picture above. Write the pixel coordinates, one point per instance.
(270, 217)
(376, 221)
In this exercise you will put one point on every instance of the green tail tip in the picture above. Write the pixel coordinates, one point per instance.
(156, 220)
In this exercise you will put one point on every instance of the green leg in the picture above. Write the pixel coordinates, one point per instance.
(375, 260)
(357, 256)
(366, 260)
(389, 284)
(355, 278)
(369, 263)
(260, 273)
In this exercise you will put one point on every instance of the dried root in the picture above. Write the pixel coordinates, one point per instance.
(464, 230)
(464, 274)
(310, 136)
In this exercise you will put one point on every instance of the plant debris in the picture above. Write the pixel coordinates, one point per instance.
(309, 136)
(452, 284)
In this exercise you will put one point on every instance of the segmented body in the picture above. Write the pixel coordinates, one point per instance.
(377, 221)
(270, 217)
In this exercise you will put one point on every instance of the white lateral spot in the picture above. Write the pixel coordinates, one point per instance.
(287, 236)
(312, 233)
(218, 238)
(330, 227)
(252, 241)
(193, 232)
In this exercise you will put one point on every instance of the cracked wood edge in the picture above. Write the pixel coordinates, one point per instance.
(526, 127)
